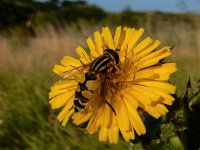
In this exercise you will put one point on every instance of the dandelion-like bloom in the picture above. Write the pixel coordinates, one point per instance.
(141, 82)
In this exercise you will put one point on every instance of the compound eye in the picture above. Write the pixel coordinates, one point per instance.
(91, 75)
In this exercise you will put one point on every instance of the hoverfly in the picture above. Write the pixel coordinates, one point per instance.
(107, 63)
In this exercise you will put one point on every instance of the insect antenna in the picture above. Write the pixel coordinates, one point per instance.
(77, 67)
(125, 56)
(111, 107)
(86, 57)
(80, 71)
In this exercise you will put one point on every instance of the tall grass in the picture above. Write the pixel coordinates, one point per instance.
(186, 51)
(26, 119)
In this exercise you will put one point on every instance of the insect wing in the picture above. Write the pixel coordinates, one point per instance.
(71, 73)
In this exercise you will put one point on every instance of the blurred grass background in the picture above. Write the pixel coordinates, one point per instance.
(34, 36)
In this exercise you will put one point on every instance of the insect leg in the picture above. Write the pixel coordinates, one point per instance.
(111, 107)
(83, 87)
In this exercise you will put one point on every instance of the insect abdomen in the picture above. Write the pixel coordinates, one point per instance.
(80, 101)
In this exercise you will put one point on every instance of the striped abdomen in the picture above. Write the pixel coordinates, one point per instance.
(80, 101)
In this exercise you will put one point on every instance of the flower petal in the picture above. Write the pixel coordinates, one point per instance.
(142, 45)
(62, 87)
(83, 55)
(117, 36)
(63, 113)
(103, 134)
(67, 117)
(134, 38)
(154, 58)
(159, 72)
(126, 45)
(161, 109)
(167, 87)
(108, 38)
(92, 48)
(113, 130)
(70, 61)
(81, 117)
(61, 99)
(147, 49)
(123, 120)
(98, 42)
(151, 110)
(135, 119)
(70, 64)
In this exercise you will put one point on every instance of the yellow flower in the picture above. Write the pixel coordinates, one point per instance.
(141, 82)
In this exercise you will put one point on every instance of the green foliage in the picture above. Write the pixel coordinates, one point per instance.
(128, 17)
(92, 14)
(14, 12)
(179, 129)
(26, 121)
(28, 14)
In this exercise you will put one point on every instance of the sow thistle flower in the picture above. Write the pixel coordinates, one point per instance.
(140, 83)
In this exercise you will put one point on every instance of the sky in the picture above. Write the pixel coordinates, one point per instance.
(147, 5)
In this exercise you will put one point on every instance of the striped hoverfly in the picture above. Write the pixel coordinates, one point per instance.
(107, 63)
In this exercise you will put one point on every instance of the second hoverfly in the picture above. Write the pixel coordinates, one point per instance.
(103, 65)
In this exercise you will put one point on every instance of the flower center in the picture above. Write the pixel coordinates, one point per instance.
(108, 87)
(119, 81)
(116, 83)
